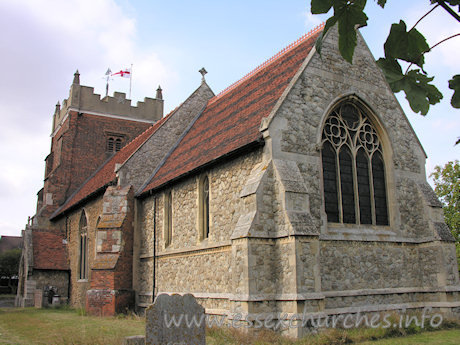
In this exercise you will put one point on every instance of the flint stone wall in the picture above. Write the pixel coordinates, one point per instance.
(188, 264)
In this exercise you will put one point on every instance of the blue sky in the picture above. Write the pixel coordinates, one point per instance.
(43, 42)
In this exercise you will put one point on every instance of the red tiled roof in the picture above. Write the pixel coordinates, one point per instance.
(106, 174)
(232, 119)
(50, 252)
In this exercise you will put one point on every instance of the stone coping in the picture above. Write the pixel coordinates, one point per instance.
(226, 245)
(313, 295)
(349, 310)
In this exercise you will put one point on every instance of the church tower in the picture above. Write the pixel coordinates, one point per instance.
(86, 131)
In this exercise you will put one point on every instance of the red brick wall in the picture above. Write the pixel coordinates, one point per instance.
(108, 302)
(83, 150)
(111, 289)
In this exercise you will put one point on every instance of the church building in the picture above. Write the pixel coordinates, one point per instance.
(300, 188)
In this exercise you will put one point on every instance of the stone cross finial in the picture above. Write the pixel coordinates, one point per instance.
(159, 95)
(203, 72)
(76, 78)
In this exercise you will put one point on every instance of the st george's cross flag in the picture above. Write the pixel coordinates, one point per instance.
(125, 73)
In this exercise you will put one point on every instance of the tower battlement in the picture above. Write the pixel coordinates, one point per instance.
(83, 99)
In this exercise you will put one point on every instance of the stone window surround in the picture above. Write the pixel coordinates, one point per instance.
(168, 210)
(340, 231)
(114, 141)
(202, 236)
(83, 247)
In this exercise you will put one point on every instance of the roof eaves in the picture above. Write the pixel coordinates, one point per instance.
(56, 215)
(58, 211)
(173, 148)
(241, 150)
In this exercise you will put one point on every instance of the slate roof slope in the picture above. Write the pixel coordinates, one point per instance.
(232, 119)
(105, 175)
(50, 253)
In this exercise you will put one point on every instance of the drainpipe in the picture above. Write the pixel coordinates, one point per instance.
(154, 244)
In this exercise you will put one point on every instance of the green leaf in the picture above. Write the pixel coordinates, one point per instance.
(320, 6)
(391, 69)
(407, 46)
(349, 15)
(419, 92)
(454, 84)
(381, 3)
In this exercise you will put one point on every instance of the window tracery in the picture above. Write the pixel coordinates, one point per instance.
(353, 168)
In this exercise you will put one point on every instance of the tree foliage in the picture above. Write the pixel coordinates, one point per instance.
(402, 45)
(9, 265)
(447, 188)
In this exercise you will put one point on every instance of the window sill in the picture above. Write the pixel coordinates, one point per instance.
(355, 229)
(82, 280)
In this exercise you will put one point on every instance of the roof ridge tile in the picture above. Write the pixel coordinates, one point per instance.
(269, 61)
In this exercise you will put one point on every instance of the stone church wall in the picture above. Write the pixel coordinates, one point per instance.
(352, 265)
(204, 268)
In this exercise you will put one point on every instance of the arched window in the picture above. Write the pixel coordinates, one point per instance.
(203, 208)
(114, 143)
(168, 219)
(83, 263)
(117, 144)
(110, 144)
(353, 168)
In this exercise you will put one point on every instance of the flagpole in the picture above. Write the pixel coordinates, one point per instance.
(130, 80)
(108, 73)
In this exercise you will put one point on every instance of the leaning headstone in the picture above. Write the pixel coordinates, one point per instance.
(175, 319)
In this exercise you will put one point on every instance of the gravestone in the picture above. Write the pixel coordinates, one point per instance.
(175, 319)
(172, 320)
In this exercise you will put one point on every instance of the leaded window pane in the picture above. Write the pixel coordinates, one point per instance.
(378, 172)
(347, 186)
(330, 183)
(364, 191)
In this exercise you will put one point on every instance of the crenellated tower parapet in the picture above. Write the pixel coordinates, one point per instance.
(83, 99)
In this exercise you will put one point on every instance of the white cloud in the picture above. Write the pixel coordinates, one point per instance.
(42, 43)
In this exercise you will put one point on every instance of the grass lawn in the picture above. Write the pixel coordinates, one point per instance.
(68, 326)
(64, 326)
(447, 337)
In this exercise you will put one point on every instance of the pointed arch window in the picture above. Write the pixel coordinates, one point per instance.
(204, 207)
(168, 218)
(353, 168)
(83, 262)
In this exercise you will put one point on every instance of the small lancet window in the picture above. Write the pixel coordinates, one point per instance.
(117, 145)
(114, 143)
(204, 207)
(168, 219)
(353, 168)
(110, 144)
(83, 262)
